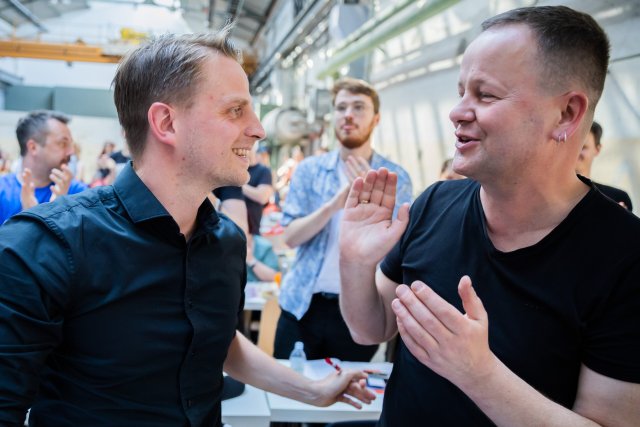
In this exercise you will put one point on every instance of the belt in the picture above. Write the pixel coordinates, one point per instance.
(328, 296)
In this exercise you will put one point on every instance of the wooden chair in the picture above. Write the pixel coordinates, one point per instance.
(268, 321)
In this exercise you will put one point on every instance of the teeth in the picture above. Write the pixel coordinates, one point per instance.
(242, 152)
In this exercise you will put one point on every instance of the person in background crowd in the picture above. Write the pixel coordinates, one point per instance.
(516, 299)
(45, 146)
(311, 289)
(590, 150)
(146, 342)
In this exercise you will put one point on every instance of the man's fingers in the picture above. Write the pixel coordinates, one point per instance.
(389, 194)
(470, 301)
(354, 193)
(377, 192)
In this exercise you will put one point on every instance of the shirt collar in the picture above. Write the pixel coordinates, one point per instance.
(137, 199)
(333, 157)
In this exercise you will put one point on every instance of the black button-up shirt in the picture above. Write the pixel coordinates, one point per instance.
(108, 317)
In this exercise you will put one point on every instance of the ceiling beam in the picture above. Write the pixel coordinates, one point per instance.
(55, 51)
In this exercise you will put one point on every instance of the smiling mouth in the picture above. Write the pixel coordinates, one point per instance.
(242, 152)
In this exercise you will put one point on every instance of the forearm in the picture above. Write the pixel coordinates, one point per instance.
(263, 272)
(508, 401)
(303, 229)
(259, 194)
(247, 363)
(365, 308)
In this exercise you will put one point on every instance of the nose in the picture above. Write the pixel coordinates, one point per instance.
(462, 112)
(255, 129)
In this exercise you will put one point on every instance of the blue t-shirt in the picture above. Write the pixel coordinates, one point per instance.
(10, 188)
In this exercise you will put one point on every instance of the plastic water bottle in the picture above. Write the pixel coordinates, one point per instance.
(297, 357)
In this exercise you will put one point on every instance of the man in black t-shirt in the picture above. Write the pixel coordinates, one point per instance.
(548, 332)
(590, 150)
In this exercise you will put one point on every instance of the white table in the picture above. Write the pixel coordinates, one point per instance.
(256, 293)
(288, 410)
(250, 409)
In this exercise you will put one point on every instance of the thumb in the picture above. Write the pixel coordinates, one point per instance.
(472, 304)
(402, 220)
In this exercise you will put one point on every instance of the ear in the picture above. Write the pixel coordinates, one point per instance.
(32, 146)
(161, 126)
(574, 108)
(376, 119)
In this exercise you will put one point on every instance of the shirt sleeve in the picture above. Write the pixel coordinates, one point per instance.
(34, 275)
(613, 335)
(228, 193)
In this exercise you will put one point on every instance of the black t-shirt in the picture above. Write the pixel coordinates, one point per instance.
(615, 194)
(572, 298)
(258, 175)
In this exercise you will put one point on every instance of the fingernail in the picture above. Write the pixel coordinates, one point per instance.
(401, 290)
(418, 286)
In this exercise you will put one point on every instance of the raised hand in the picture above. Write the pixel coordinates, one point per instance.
(452, 344)
(28, 190)
(367, 231)
(61, 179)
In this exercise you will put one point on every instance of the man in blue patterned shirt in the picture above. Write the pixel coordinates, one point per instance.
(312, 213)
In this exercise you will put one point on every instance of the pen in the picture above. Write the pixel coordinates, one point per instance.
(335, 365)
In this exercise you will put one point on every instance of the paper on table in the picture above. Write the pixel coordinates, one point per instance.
(316, 369)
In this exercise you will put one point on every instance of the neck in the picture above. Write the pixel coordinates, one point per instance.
(365, 151)
(524, 214)
(39, 177)
(178, 192)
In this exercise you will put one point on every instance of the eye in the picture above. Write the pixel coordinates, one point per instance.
(341, 108)
(486, 95)
(236, 111)
(358, 108)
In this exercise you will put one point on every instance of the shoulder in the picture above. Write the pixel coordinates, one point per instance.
(378, 161)
(77, 205)
(9, 181)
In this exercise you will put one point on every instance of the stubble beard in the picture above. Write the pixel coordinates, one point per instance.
(352, 142)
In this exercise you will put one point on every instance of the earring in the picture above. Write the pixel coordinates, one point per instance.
(562, 138)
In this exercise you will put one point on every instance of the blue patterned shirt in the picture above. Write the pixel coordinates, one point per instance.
(314, 182)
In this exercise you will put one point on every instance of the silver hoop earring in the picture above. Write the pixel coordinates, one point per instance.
(562, 138)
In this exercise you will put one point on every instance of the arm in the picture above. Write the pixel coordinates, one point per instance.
(367, 233)
(32, 295)
(455, 346)
(303, 229)
(260, 194)
(263, 269)
(249, 364)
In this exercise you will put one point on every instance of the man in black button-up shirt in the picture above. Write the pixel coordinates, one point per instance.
(118, 306)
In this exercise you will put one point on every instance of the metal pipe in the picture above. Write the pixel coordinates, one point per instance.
(22, 9)
(211, 14)
(379, 30)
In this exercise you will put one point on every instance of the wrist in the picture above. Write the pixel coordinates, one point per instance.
(252, 263)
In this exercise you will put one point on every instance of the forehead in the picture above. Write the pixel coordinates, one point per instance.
(57, 128)
(506, 53)
(344, 96)
(223, 78)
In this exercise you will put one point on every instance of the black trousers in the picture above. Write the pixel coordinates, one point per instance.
(323, 332)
